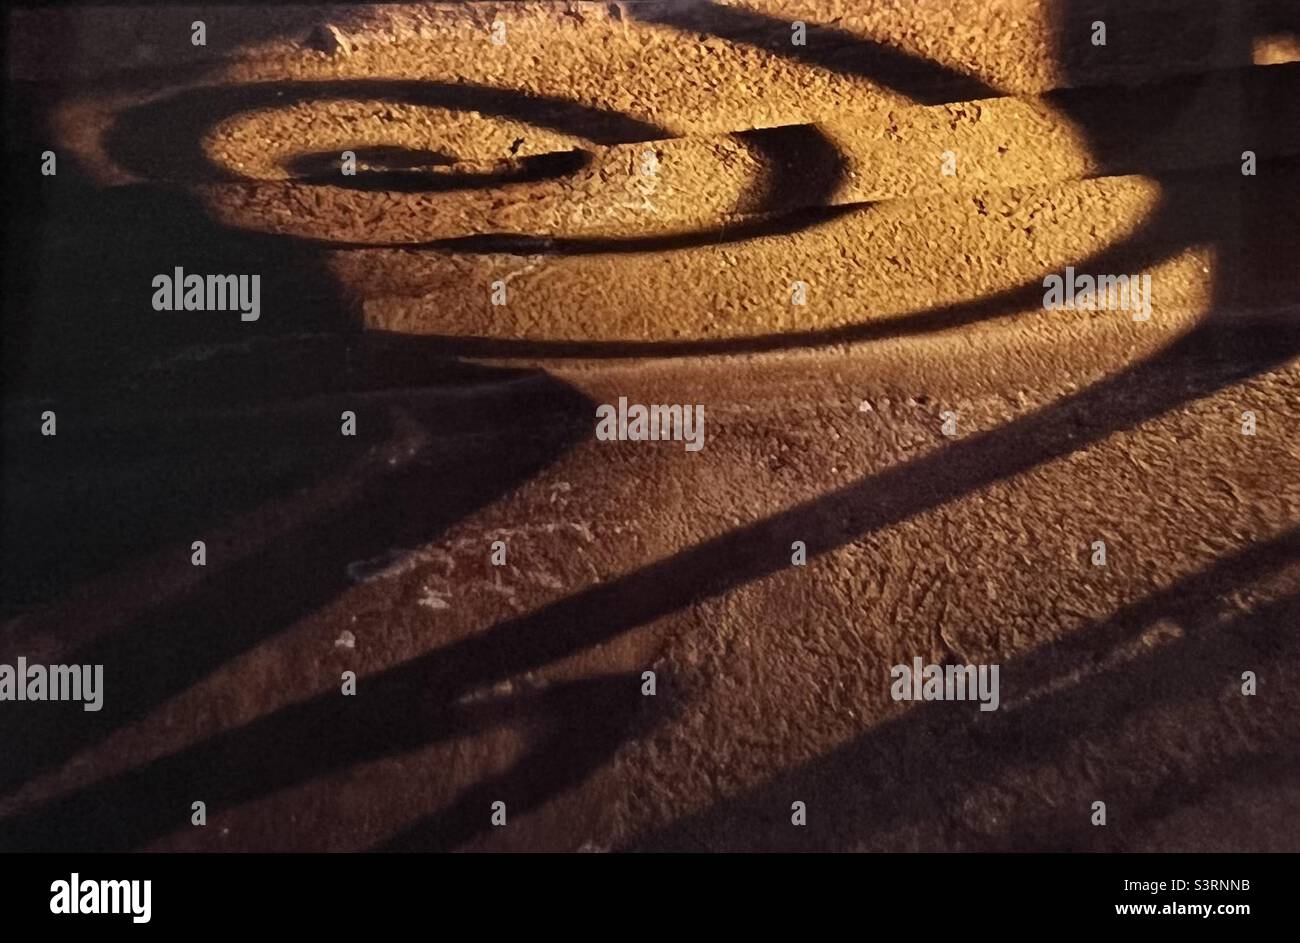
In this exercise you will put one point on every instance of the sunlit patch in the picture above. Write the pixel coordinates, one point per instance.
(866, 265)
(1275, 49)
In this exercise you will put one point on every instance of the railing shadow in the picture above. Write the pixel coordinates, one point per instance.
(421, 701)
(923, 764)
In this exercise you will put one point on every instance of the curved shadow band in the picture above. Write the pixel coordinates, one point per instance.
(796, 159)
(185, 118)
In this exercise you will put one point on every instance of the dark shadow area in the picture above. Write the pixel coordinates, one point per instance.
(422, 465)
(379, 161)
(572, 728)
(80, 269)
(400, 170)
(590, 719)
(176, 426)
(1275, 17)
(142, 456)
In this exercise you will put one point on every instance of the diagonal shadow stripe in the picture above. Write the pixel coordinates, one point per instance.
(920, 79)
(428, 686)
(920, 766)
